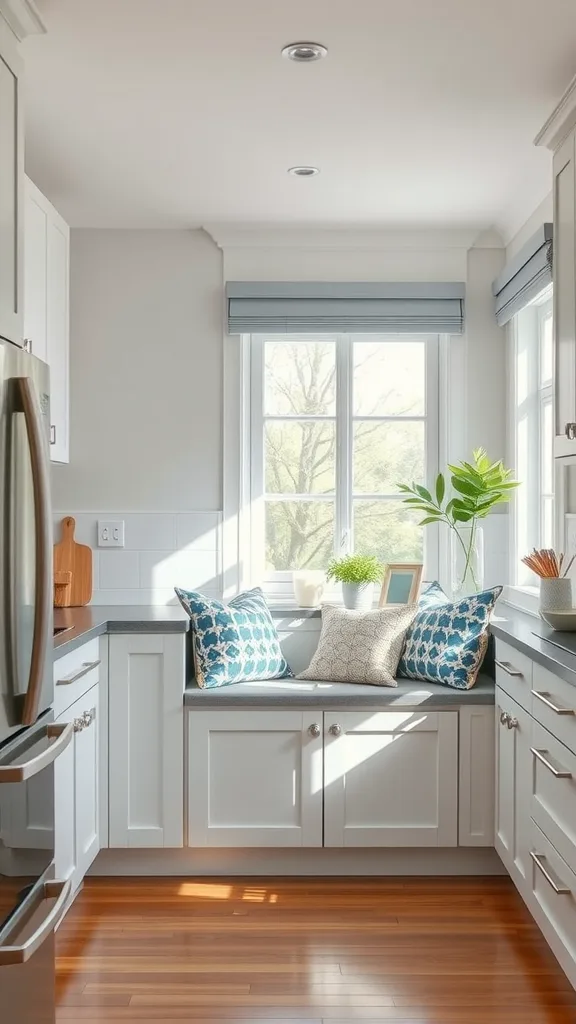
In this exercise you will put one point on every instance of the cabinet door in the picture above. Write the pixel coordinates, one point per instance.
(146, 740)
(11, 188)
(85, 714)
(57, 334)
(64, 809)
(391, 779)
(35, 271)
(564, 295)
(476, 779)
(514, 770)
(254, 778)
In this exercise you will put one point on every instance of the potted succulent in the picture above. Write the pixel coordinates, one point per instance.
(357, 574)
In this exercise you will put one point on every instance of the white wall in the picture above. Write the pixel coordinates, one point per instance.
(145, 374)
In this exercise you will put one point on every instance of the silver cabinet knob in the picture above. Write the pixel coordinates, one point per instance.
(570, 431)
(89, 716)
(512, 723)
(79, 724)
(335, 730)
(504, 717)
(52, 433)
(314, 730)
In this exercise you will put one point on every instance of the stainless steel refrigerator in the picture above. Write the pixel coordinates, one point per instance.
(32, 901)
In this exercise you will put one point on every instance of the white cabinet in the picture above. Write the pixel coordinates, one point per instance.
(146, 740)
(255, 778)
(288, 777)
(77, 788)
(46, 306)
(11, 186)
(476, 776)
(391, 778)
(513, 787)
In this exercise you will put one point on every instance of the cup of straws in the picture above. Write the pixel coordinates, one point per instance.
(555, 584)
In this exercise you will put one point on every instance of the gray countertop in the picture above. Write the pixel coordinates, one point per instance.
(308, 693)
(531, 636)
(83, 624)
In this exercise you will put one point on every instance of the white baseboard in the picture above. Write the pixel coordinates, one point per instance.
(226, 863)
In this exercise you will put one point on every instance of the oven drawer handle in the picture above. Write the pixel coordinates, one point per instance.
(557, 771)
(507, 667)
(61, 736)
(545, 698)
(86, 668)
(559, 888)
(59, 891)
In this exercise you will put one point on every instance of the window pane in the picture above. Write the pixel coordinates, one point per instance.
(389, 530)
(299, 378)
(389, 378)
(547, 522)
(300, 457)
(387, 454)
(299, 534)
(547, 449)
(547, 357)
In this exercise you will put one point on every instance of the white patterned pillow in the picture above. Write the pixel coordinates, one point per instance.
(360, 647)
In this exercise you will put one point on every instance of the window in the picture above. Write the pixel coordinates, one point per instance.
(533, 521)
(336, 423)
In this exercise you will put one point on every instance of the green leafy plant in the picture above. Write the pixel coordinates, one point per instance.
(476, 488)
(355, 569)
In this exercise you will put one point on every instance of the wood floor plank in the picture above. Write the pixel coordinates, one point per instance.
(306, 951)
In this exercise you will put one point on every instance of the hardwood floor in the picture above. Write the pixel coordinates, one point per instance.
(440, 951)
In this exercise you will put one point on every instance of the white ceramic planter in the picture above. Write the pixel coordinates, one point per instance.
(358, 596)
(555, 595)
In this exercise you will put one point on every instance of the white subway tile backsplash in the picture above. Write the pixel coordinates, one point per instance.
(163, 550)
(198, 531)
(119, 569)
(192, 570)
(147, 532)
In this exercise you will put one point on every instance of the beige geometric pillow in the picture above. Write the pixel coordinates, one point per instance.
(360, 647)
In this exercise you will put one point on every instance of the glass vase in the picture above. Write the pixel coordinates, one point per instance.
(467, 561)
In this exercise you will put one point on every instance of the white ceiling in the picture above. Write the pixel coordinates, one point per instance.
(172, 113)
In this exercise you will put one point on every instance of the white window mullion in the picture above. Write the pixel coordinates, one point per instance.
(432, 440)
(344, 442)
(257, 554)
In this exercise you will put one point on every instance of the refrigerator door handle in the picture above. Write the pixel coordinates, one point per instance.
(61, 735)
(58, 891)
(43, 562)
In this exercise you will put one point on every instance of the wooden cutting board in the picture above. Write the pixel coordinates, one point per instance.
(77, 559)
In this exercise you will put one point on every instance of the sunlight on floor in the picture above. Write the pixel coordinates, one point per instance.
(213, 891)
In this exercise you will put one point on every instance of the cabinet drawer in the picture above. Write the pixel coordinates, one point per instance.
(75, 674)
(554, 792)
(553, 887)
(514, 674)
(554, 705)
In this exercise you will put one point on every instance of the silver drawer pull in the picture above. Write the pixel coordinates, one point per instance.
(546, 699)
(89, 716)
(559, 888)
(79, 724)
(508, 668)
(504, 717)
(557, 771)
(86, 668)
(512, 723)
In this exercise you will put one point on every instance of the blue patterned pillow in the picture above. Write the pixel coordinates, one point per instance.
(432, 597)
(446, 643)
(236, 642)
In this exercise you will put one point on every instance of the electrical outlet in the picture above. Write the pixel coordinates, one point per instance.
(110, 533)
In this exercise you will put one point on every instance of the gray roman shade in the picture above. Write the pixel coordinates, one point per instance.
(524, 276)
(292, 307)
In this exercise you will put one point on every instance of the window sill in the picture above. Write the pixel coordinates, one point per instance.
(525, 599)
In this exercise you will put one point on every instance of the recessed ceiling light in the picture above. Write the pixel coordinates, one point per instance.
(304, 172)
(304, 53)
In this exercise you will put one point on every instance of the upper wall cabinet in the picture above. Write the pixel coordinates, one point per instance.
(559, 135)
(18, 18)
(46, 306)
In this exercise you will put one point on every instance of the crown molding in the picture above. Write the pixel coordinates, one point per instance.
(334, 239)
(23, 17)
(561, 121)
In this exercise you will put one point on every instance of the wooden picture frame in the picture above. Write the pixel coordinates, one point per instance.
(401, 583)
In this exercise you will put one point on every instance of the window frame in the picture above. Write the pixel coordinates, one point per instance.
(522, 591)
(279, 584)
